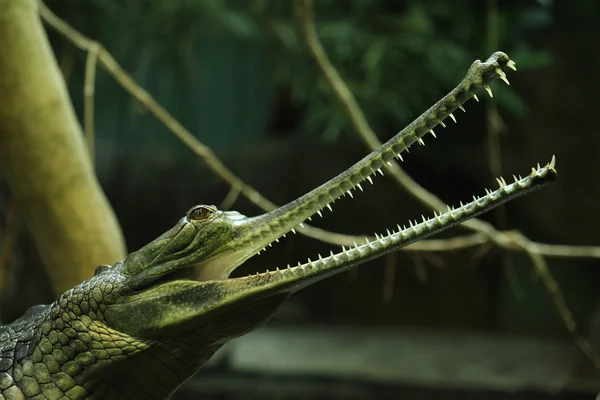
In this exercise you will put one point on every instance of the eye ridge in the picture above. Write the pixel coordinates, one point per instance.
(201, 212)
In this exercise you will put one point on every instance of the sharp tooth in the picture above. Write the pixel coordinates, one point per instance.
(301, 225)
(331, 253)
(389, 163)
(421, 142)
(309, 261)
(350, 193)
(380, 171)
(320, 213)
(462, 108)
(424, 219)
(329, 206)
(515, 177)
(552, 162)
(388, 232)
(452, 116)
(538, 166)
(277, 240)
(505, 79)
(476, 98)
(503, 181)
(499, 182)
(489, 90)
(399, 229)
(270, 244)
(399, 156)
(487, 191)
(432, 133)
(284, 235)
(360, 187)
(511, 64)
(320, 258)
(293, 230)
(442, 124)
(355, 245)
(370, 180)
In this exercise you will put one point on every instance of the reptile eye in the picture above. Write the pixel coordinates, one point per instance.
(200, 213)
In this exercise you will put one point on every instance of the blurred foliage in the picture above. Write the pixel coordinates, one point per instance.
(396, 55)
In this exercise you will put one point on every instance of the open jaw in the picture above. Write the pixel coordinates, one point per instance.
(258, 232)
(212, 243)
(246, 237)
(294, 278)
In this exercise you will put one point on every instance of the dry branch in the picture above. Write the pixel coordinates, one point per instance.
(44, 158)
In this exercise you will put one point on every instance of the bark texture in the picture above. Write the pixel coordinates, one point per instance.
(43, 155)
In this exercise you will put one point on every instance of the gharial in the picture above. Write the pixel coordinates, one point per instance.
(142, 327)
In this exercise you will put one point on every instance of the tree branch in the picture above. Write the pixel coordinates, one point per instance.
(43, 155)
(88, 99)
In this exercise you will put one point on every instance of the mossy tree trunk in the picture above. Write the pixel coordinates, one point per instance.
(43, 155)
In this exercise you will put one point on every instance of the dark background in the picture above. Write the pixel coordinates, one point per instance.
(237, 75)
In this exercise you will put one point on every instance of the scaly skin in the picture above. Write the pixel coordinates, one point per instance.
(140, 328)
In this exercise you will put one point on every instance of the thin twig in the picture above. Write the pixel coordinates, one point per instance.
(557, 296)
(501, 239)
(88, 98)
(230, 199)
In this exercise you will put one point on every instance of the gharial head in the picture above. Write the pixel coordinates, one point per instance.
(180, 281)
(178, 288)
